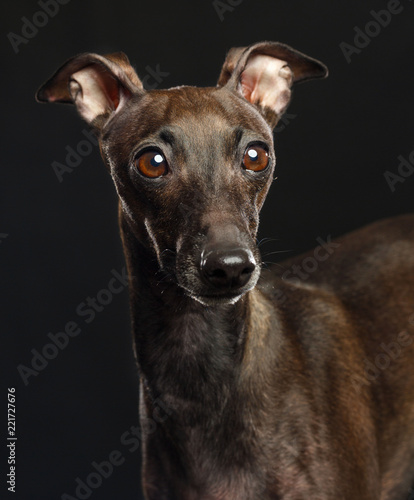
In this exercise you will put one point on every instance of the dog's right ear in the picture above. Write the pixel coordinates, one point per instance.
(98, 85)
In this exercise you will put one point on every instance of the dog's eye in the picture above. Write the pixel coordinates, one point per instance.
(151, 164)
(255, 158)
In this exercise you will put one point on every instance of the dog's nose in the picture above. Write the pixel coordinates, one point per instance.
(227, 269)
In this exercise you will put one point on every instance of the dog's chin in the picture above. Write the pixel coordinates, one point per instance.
(217, 300)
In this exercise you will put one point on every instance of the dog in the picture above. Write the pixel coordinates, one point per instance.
(272, 388)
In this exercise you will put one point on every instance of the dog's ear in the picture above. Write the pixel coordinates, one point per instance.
(97, 85)
(264, 73)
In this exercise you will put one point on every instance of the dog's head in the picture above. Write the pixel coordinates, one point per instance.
(191, 166)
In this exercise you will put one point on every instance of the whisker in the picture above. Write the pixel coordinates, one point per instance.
(267, 263)
(276, 252)
(263, 241)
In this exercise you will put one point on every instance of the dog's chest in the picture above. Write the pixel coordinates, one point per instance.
(249, 478)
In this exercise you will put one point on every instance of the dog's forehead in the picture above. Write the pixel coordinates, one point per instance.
(201, 112)
(192, 119)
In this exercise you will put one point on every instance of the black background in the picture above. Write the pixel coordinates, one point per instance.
(62, 238)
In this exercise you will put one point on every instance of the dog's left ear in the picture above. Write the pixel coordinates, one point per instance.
(264, 74)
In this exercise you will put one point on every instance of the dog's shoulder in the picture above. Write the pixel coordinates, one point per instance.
(365, 262)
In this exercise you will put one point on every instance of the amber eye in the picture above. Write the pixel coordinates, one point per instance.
(151, 164)
(255, 158)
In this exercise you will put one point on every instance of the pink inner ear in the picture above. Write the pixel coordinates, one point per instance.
(95, 92)
(263, 83)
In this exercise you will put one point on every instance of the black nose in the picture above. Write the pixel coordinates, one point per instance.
(227, 269)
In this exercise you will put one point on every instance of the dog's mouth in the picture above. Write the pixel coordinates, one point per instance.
(218, 299)
(196, 288)
(214, 299)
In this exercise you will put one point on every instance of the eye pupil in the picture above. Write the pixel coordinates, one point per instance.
(157, 160)
(253, 154)
(256, 158)
(151, 164)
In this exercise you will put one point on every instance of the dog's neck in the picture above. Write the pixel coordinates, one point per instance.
(206, 365)
(186, 352)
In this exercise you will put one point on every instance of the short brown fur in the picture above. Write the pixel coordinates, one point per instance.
(272, 388)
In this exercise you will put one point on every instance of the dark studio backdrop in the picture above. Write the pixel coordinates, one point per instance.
(59, 240)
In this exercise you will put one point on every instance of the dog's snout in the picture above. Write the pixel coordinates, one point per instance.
(227, 269)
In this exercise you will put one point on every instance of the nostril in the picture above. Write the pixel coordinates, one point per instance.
(248, 270)
(217, 273)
